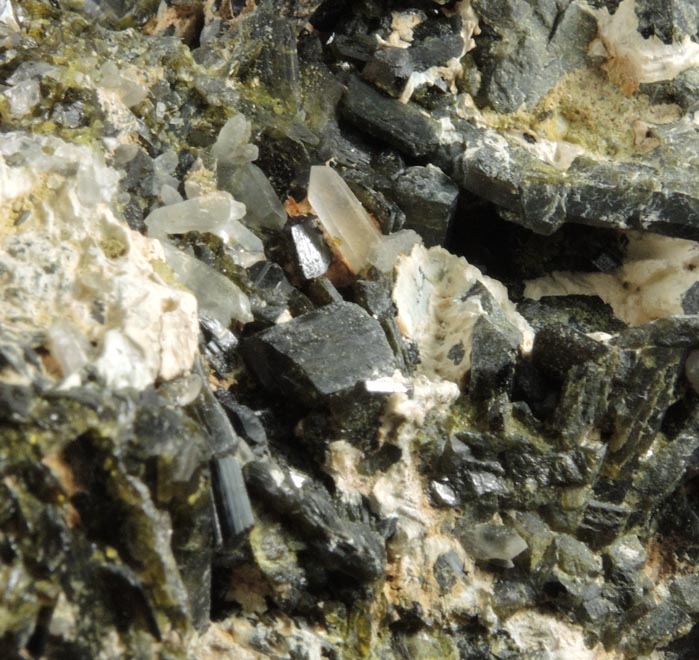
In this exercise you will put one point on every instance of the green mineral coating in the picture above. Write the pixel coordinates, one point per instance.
(360, 637)
(428, 644)
(275, 549)
(588, 110)
(118, 529)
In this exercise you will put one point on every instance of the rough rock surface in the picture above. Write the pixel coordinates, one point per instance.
(359, 330)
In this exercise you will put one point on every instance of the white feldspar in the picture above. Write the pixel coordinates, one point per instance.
(402, 24)
(348, 228)
(656, 273)
(452, 69)
(635, 58)
(548, 637)
(74, 273)
(398, 493)
(435, 310)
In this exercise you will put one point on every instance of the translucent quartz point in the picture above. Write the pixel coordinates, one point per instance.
(217, 213)
(23, 97)
(124, 82)
(487, 541)
(385, 253)
(347, 226)
(250, 185)
(217, 295)
(68, 346)
(233, 144)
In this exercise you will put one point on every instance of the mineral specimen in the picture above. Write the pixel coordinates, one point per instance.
(361, 330)
(320, 354)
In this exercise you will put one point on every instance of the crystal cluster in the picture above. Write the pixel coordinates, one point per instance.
(349, 330)
(94, 287)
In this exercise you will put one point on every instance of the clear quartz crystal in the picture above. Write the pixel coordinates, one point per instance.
(217, 295)
(233, 144)
(217, 213)
(23, 97)
(68, 346)
(250, 185)
(347, 226)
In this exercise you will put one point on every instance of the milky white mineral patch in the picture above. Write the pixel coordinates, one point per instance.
(632, 59)
(125, 82)
(437, 311)
(650, 284)
(558, 153)
(550, 638)
(73, 275)
(387, 250)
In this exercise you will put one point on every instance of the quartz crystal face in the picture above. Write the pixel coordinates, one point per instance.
(361, 330)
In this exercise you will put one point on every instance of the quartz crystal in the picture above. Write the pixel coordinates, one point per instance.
(233, 144)
(216, 294)
(217, 213)
(348, 228)
(486, 541)
(235, 428)
(249, 185)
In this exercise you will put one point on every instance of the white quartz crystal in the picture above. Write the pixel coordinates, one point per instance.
(73, 272)
(233, 144)
(633, 59)
(125, 82)
(435, 309)
(349, 230)
(217, 295)
(656, 273)
(250, 184)
(216, 213)
(68, 346)
(8, 18)
(23, 97)
(385, 253)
